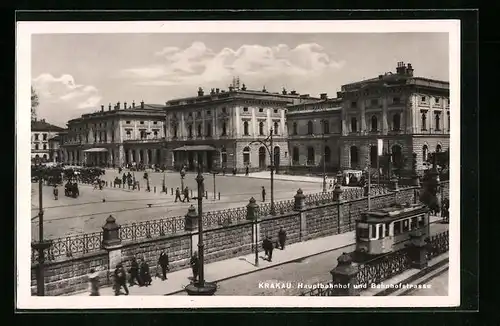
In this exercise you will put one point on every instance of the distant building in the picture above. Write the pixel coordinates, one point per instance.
(314, 130)
(117, 136)
(411, 114)
(222, 128)
(42, 145)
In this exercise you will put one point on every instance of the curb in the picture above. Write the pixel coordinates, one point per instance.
(268, 267)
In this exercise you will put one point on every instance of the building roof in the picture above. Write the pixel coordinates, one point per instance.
(42, 125)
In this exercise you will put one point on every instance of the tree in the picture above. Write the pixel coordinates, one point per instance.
(34, 103)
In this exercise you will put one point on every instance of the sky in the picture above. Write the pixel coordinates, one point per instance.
(75, 74)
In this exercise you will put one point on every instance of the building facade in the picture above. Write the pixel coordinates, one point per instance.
(410, 114)
(43, 147)
(314, 130)
(225, 129)
(117, 136)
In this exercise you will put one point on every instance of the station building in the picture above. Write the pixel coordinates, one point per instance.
(117, 136)
(225, 128)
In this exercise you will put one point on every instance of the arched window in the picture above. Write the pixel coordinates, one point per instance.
(276, 127)
(310, 156)
(438, 148)
(374, 123)
(354, 125)
(373, 156)
(190, 131)
(354, 156)
(425, 153)
(44, 146)
(396, 122)
(223, 154)
(199, 130)
(261, 128)
(326, 127)
(310, 128)
(245, 128)
(328, 154)
(224, 131)
(294, 128)
(295, 155)
(175, 131)
(438, 120)
(424, 121)
(246, 155)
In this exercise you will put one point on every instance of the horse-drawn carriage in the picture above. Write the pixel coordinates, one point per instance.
(71, 189)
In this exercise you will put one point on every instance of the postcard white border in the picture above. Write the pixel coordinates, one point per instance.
(23, 137)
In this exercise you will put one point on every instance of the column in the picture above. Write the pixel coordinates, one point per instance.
(363, 116)
(214, 128)
(137, 156)
(205, 161)
(146, 156)
(254, 123)
(235, 123)
(385, 127)
(153, 156)
(130, 156)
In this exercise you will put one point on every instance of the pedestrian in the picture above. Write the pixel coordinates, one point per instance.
(119, 170)
(282, 238)
(268, 247)
(178, 195)
(120, 279)
(263, 194)
(145, 176)
(195, 265)
(164, 264)
(124, 179)
(224, 171)
(56, 192)
(186, 195)
(145, 276)
(94, 283)
(134, 272)
(247, 170)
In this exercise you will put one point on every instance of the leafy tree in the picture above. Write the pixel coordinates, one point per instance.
(34, 103)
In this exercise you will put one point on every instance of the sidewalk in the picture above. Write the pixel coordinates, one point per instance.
(233, 267)
(282, 177)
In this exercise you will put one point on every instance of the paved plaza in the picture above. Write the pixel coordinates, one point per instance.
(88, 212)
(307, 262)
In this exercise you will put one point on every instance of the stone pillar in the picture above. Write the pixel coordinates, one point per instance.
(344, 277)
(112, 242)
(153, 156)
(137, 156)
(253, 215)
(393, 183)
(300, 204)
(191, 226)
(417, 249)
(363, 116)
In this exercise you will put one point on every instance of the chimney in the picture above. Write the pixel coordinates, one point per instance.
(142, 104)
(133, 104)
(284, 92)
(212, 91)
(125, 105)
(243, 87)
(323, 96)
(293, 92)
(118, 105)
(231, 88)
(401, 68)
(380, 76)
(216, 91)
(409, 70)
(264, 90)
(200, 91)
(102, 108)
(109, 107)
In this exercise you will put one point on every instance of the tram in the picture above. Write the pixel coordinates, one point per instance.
(388, 229)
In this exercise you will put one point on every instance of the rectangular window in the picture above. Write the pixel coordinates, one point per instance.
(142, 122)
(424, 98)
(363, 233)
(414, 222)
(245, 109)
(36, 146)
(436, 100)
(275, 110)
(127, 122)
(261, 110)
(354, 104)
(406, 225)
(224, 110)
(155, 122)
(44, 136)
(396, 100)
(373, 231)
(209, 113)
(397, 228)
(387, 229)
(421, 221)
(36, 136)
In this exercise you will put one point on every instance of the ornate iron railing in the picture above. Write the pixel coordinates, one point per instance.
(438, 244)
(224, 217)
(150, 229)
(319, 198)
(68, 247)
(383, 268)
(353, 193)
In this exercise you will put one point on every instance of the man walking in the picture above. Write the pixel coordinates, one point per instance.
(268, 247)
(163, 262)
(144, 273)
(134, 272)
(120, 279)
(247, 170)
(178, 195)
(56, 192)
(186, 194)
(263, 194)
(195, 265)
(94, 283)
(282, 238)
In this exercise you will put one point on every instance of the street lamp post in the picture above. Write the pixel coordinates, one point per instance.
(183, 174)
(253, 215)
(201, 287)
(214, 173)
(269, 149)
(41, 245)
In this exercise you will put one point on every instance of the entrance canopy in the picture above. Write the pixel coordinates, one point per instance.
(95, 150)
(194, 148)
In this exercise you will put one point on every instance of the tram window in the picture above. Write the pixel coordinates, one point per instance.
(406, 225)
(374, 231)
(414, 223)
(397, 228)
(387, 229)
(421, 221)
(380, 231)
(363, 233)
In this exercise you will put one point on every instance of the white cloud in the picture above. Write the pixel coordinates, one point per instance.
(198, 64)
(61, 98)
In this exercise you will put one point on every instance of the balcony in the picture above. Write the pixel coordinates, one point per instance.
(144, 140)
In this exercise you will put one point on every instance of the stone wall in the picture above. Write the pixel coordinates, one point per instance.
(221, 242)
(71, 275)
